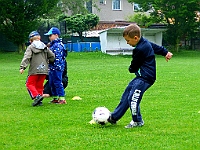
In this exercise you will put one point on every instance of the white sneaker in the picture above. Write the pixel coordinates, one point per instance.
(133, 124)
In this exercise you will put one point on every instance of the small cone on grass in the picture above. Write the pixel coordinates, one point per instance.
(92, 122)
(76, 98)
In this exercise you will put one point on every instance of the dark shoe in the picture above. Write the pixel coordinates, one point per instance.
(54, 101)
(62, 102)
(110, 120)
(37, 100)
(102, 123)
(40, 103)
(133, 124)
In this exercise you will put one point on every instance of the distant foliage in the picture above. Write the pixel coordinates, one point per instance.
(180, 16)
(79, 23)
(19, 18)
(141, 19)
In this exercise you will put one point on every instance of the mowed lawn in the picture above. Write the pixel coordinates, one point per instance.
(169, 108)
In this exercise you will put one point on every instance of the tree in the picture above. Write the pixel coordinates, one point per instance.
(180, 17)
(79, 23)
(76, 6)
(141, 19)
(19, 17)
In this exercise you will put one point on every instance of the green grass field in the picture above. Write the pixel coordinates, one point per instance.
(169, 108)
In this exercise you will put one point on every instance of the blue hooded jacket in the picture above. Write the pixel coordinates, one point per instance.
(143, 63)
(58, 49)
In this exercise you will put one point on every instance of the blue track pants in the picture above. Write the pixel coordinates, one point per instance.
(55, 82)
(131, 98)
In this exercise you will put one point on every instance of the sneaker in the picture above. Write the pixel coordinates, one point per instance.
(110, 120)
(54, 101)
(62, 102)
(40, 103)
(133, 124)
(37, 100)
(102, 123)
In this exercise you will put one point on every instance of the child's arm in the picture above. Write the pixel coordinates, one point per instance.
(50, 55)
(26, 60)
(160, 50)
(137, 61)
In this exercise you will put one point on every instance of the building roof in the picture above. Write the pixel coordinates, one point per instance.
(143, 30)
(119, 30)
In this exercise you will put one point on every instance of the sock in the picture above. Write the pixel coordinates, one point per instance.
(132, 122)
(55, 97)
(62, 98)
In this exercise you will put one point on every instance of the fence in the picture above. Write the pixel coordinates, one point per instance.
(83, 46)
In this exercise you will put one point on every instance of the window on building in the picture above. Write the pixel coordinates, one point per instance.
(116, 4)
(102, 2)
(89, 6)
(137, 7)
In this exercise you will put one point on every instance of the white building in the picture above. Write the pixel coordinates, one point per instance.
(113, 10)
(113, 43)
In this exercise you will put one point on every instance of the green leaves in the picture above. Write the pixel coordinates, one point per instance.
(74, 6)
(79, 23)
(19, 17)
(180, 16)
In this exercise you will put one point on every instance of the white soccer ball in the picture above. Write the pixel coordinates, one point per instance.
(100, 115)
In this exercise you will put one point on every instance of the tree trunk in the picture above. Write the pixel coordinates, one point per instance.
(21, 48)
(177, 44)
(80, 36)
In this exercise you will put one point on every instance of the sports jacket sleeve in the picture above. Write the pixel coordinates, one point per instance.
(137, 60)
(26, 59)
(50, 56)
(159, 50)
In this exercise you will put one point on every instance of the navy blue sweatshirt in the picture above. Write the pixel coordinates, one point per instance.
(143, 63)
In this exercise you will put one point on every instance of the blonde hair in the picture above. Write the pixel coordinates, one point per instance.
(132, 30)
(37, 37)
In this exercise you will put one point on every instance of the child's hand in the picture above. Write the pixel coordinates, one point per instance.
(168, 56)
(48, 45)
(21, 71)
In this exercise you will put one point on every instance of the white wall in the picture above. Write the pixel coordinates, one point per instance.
(158, 37)
(103, 41)
(155, 38)
(113, 42)
(107, 14)
(150, 38)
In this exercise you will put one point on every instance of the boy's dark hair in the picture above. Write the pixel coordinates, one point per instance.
(132, 30)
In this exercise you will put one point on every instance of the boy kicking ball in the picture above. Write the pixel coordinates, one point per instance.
(144, 66)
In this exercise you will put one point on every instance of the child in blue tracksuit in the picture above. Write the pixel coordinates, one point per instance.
(144, 66)
(56, 69)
